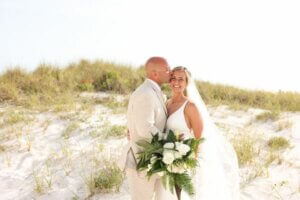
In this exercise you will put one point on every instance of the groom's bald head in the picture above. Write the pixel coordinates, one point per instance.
(157, 69)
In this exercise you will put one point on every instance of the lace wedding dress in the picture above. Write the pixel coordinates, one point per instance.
(216, 176)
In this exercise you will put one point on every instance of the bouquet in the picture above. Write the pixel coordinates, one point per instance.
(172, 157)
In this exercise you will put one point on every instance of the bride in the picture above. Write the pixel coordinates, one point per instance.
(217, 175)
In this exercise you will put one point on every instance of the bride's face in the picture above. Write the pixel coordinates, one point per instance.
(178, 81)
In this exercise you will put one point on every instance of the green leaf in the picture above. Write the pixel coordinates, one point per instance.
(155, 138)
(171, 136)
(148, 150)
(191, 163)
(171, 181)
(184, 182)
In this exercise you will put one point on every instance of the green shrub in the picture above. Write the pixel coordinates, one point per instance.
(108, 82)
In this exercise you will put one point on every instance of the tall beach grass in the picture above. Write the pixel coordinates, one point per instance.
(51, 85)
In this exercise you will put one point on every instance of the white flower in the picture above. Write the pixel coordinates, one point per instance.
(160, 174)
(177, 144)
(182, 148)
(168, 157)
(153, 159)
(149, 167)
(180, 169)
(169, 145)
(177, 155)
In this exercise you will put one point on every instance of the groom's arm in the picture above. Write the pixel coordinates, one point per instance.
(144, 109)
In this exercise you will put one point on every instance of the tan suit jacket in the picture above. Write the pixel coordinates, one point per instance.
(146, 115)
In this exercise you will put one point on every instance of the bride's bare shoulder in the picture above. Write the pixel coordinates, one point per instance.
(194, 118)
(191, 105)
(191, 109)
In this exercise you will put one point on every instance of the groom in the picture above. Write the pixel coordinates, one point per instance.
(146, 115)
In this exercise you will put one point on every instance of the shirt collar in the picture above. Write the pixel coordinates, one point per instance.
(154, 84)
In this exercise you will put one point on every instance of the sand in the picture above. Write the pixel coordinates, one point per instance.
(38, 149)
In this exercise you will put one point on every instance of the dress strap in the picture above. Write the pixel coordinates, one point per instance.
(184, 104)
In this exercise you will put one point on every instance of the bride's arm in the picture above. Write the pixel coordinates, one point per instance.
(195, 119)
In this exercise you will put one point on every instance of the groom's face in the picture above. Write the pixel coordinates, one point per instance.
(164, 72)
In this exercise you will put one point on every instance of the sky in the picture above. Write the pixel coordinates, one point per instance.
(248, 44)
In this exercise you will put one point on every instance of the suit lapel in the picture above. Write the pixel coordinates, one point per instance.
(159, 95)
(161, 98)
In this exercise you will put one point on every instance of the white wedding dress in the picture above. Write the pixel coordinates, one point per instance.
(216, 176)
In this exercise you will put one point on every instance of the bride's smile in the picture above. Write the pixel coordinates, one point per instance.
(178, 81)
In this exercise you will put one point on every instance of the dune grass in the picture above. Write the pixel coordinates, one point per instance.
(216, 94)
(265, 116)
(104, 179)
(282, 125)
(109, 178)
(244, 148)
(70, 128)
(39, 183)
(50, 85)
(109, 130)
(2, 148)
(111, 102)
(272, 157)
(117, 131)
(277, 143)
(11, 117)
